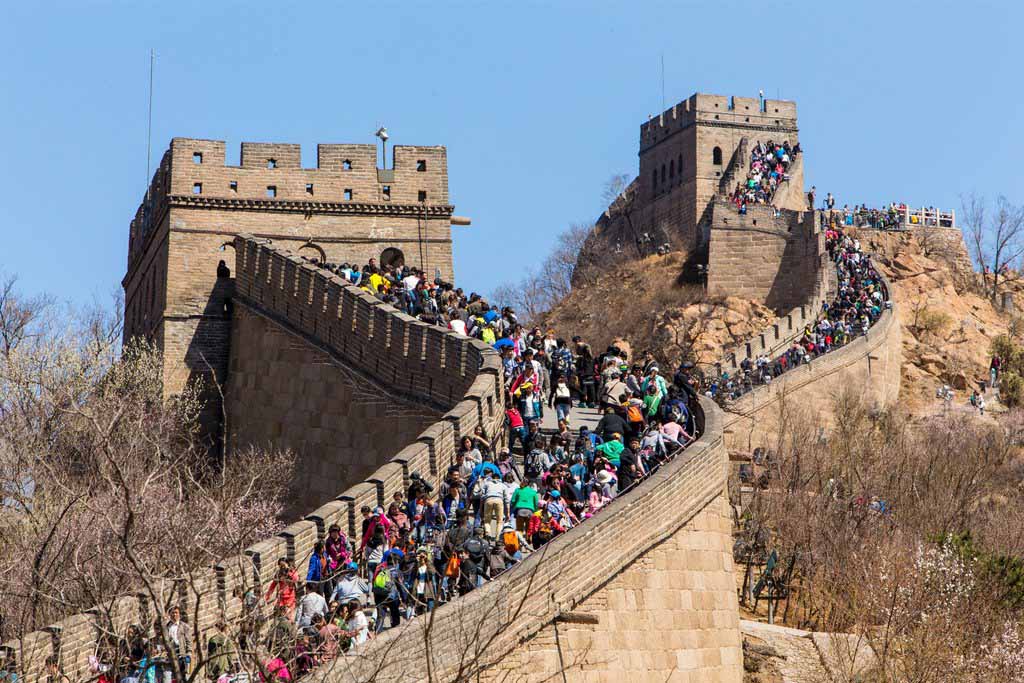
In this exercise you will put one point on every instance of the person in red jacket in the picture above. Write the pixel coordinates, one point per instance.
(542, 527)
(284, 587)
(516, 427)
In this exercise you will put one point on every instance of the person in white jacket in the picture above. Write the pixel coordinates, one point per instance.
(312, 603)
(492, 497)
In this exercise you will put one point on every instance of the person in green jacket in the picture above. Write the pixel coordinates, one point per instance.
(652, 401)
(612, 449)
(524, 503)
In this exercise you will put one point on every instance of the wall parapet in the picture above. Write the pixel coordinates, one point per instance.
(458, 376)
(880, 340)
(475, 632)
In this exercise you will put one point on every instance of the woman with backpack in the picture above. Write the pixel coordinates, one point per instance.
(386, 586)
(524, 503)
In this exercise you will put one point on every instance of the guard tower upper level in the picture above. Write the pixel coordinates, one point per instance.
(696, 140)
(270, 177)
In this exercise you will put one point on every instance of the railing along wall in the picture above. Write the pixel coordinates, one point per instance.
(422, 362)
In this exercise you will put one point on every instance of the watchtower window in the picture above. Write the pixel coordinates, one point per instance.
(672, 169)
(421, 165)
(309, 189)
(197, 188)
(716, 156)
(421, 195)
(197, 157)
(663, 173)
(348, 195)
(271, 163)
(346, 165)
(654, 179)
(271, 191)
(233, 185)
(386, 191)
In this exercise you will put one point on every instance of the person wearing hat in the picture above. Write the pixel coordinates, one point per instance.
(654, 378)
(602, 491)
(559, 511)
(350, 587)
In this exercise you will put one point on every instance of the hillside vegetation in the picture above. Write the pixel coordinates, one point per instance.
(646, 304)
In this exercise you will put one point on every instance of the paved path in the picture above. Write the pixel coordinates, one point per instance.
(578, 417)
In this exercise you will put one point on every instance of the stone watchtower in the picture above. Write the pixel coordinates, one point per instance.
(688, 154)
(345, 209)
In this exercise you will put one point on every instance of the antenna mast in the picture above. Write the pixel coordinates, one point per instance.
(663, 81)
(149, 126)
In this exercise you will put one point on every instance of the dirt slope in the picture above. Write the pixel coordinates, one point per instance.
(948, 323)
(644, 303)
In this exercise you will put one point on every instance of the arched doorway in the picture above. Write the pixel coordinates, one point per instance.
(392, 257)
(313, 251)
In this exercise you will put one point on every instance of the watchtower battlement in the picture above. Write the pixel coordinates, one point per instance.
(688, 153)
(748, 112)
(346, 179)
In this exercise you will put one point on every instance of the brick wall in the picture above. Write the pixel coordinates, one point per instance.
(655, 568)
(870, 364)
(674, 521)
(343, 210)
(761, 257)
(349, 339)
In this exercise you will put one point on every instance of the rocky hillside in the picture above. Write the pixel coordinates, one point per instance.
(646, 304)
(948, 322)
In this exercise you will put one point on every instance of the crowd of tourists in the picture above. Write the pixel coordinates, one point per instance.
(895, 216)
(769, 166)
(504, 496)
(860, 300)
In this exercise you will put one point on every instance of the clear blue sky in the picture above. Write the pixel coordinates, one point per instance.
(538, 104)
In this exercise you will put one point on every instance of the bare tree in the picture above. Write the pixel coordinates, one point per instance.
(996, 236)
(537, 292)
(105, 489)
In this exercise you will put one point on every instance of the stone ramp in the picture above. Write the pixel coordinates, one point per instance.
(806, 656)
(798, 660)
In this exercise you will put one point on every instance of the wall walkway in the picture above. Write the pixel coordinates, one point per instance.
(657, 561)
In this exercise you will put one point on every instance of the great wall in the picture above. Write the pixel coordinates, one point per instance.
(646, 589)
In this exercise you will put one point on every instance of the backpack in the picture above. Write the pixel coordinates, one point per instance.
(633, 414)
(511, 541)
(382, 582)
(545, 526)
(532, 466)
(475, 546)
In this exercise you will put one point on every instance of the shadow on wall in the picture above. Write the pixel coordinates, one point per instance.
(794, 281)
(207, 355)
